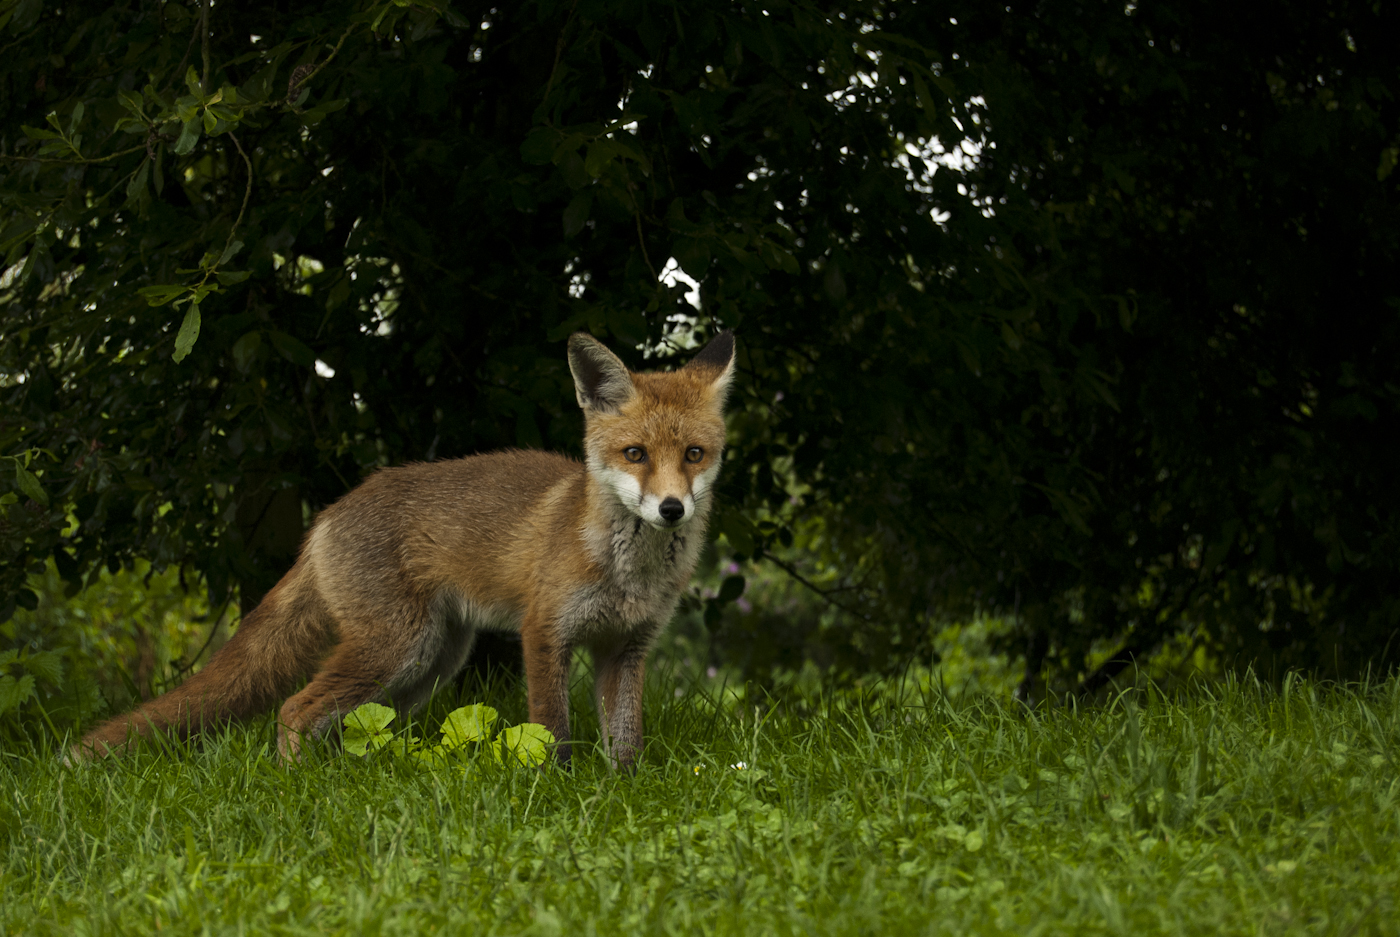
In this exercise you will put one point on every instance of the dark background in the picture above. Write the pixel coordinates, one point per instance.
(1123, 373)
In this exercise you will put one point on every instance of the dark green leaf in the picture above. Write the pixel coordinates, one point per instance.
(29, 484)
(292, 349)
(577, 213)
(189, 136)
(160, 295)
(731, 588)
(538, 147)
(188, 334)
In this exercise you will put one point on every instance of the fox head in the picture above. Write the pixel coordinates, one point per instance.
(654, 440)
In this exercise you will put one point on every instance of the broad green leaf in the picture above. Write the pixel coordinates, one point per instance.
(367, 728)
(467, 724)
(29, 484)
(230, 251)
(576, 215)
(693, 255)
(528, 743)
(358, 743)
(188, 334)
(538, 147)
(162, 294)
(405, 746)
(15, 692)
(132, 102)
(192, 82)
(313, 116)
(231, 277)
(292, 349)
(600, 153)
(572, 168)
(137, 186)
(370, 718)
(1390, 157)
(245, 349)
(16, 233)
(731, 588)
(738, 530)
(776, 258)
(189, 136)
(45, 665)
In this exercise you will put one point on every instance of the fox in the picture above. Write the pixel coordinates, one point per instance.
(394, 580)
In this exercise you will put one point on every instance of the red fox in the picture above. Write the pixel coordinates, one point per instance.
(394, 579)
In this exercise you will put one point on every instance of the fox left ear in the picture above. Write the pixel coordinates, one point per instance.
(717, 357)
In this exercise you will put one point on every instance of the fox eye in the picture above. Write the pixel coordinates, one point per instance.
(634, 454)
(694, 454)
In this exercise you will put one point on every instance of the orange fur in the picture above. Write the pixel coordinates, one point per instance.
(395, 578)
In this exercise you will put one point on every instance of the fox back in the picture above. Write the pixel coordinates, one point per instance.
(396, 578)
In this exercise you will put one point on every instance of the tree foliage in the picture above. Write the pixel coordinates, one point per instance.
(1082, 314)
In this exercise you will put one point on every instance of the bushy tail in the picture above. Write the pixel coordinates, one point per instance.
(279, 643)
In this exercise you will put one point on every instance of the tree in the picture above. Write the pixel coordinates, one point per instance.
(1084, 315)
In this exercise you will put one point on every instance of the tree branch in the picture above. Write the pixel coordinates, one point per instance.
(824, 594)
(204, 39)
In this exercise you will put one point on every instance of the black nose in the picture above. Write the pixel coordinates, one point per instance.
(672, 510)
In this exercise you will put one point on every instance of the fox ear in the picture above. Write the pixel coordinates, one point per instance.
(718, 358)
(601, 380)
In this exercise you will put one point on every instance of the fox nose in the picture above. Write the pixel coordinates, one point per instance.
(672, 510)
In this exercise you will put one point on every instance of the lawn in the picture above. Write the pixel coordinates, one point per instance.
(1227, 808)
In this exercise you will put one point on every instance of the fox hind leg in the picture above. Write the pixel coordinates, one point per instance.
(352, 675)
(362, 669)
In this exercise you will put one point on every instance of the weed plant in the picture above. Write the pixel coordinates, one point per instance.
(1230, 808)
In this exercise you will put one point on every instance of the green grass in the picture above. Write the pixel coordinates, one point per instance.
(1228, 809)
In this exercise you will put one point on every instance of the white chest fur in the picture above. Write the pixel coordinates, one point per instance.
(644, 573)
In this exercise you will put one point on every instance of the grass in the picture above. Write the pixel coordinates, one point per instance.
(1230, 808)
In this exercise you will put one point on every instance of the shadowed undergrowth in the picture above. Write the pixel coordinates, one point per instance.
(1231, 808)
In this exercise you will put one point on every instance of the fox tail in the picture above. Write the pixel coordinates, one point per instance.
(279, 643)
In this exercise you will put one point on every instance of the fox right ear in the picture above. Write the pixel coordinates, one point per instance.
(601, 381)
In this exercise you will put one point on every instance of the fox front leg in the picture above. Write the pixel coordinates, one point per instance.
(621, 670)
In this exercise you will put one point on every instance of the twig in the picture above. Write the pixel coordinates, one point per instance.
(247, 194)
(300, 77)
(21, 40)
(204, 39)
(559, 51)
(207, 641)
(79, 161)
(247, 191)
(179, 69)
(642, 241)
(824, 594)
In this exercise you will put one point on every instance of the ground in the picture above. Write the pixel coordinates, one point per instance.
(1229, 808)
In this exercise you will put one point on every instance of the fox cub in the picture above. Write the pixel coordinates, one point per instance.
(394, 579)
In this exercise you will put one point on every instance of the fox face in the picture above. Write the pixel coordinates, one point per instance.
(654, 440)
